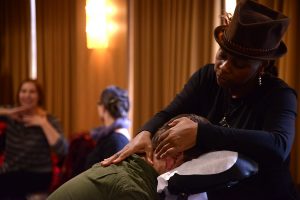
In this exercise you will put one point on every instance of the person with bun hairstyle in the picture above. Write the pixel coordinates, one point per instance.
(113, 135)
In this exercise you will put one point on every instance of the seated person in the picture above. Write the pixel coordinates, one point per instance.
(31, 136)
(113, 110)
(79, 147)
(133, 178)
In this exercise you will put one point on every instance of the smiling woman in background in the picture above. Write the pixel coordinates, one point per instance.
(31, 135)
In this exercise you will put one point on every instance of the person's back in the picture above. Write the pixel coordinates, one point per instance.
(113, 135)
(133, 178)
(106, 147)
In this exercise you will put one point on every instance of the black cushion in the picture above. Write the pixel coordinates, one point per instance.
(197, 183)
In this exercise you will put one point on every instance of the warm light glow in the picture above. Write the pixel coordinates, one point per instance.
(112, 28)
(230, 6)
(33, 48)
(111, 10)
(99, 23)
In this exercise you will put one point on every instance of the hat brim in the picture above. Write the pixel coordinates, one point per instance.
(274, 54)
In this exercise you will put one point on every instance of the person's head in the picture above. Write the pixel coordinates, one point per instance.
(113, 102)
(168, 163)
(30, 93)
(249, 44)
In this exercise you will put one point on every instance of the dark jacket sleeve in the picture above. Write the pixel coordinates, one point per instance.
(192, 99)
(270, 145)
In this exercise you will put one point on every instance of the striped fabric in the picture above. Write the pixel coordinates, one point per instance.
(27, 149)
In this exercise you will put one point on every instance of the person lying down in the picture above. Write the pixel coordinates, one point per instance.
(133, 178)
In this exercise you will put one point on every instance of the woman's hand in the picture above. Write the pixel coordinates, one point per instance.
(15, 113)
(33, 120)
(36, 119)
(141, 143)
(180, 137)
(39, 118)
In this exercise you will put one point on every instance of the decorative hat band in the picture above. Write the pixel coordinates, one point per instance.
(249, 51)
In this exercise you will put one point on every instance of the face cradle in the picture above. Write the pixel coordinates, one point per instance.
(28, 95)
(233, 72)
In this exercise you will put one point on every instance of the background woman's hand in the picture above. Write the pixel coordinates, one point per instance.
(141, 143)
(15, 113)
(180, 137)
(33, 120)
(36, 119)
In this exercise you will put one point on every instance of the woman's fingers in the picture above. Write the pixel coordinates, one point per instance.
(172, 151)
(149, 155)
(164, 151)
(126, 152)
(181, 136)
(175, 122)
(140, 144)
(166, 137)
(119, 156)
(122, 155)
(17, 112)
(20, 109)
(162, 140)
(109, 161)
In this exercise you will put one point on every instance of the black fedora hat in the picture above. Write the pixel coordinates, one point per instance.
(255, 32)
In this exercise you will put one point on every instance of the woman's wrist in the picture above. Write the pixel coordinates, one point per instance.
(146, 134)
(43, 121)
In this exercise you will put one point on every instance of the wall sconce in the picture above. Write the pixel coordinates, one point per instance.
(99, 23)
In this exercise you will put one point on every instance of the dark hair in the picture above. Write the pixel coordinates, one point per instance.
(271, 68)
(189, 154)
(38, 89)
(115, 101)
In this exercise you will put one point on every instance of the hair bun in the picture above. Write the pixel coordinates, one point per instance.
(116, 101)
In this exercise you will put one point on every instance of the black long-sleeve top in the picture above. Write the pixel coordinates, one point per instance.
(262, 126)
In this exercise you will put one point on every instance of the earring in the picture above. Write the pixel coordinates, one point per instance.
(259, 80)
